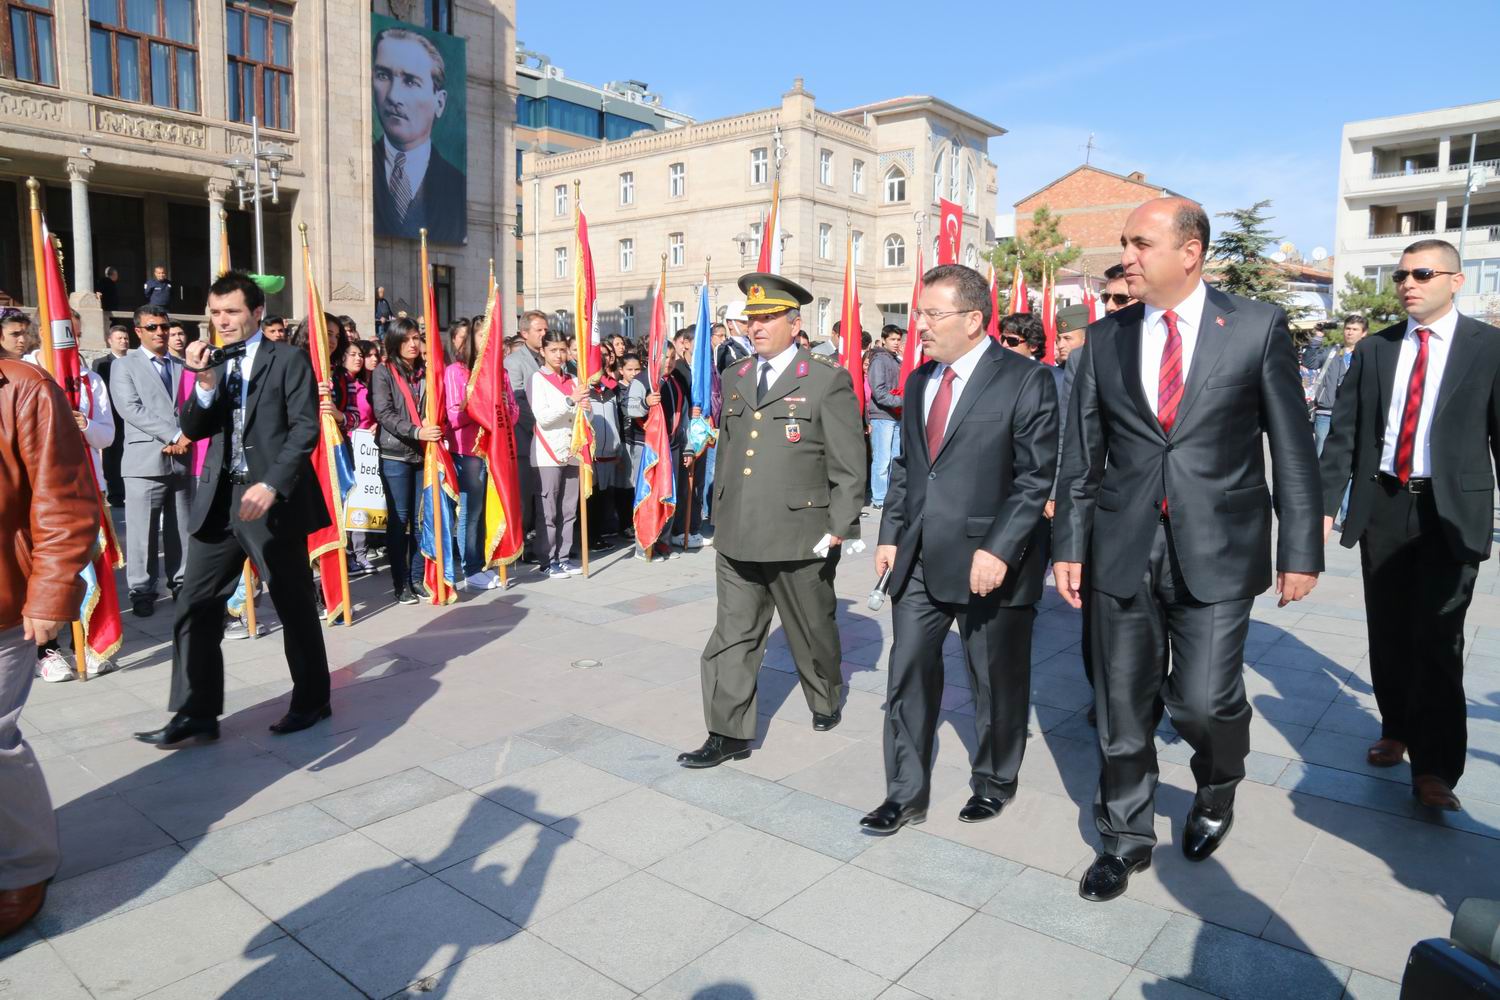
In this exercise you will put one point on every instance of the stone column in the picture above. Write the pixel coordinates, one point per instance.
(216, 189)
(79, 171)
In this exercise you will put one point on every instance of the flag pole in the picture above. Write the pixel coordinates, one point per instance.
(489, 299)
(438, 541)
(583, 376)
(248, 576)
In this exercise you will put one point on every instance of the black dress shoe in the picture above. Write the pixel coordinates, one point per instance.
(405, 596)
(295, 722)
(888, 817)
(1108, 876)
(715, 751)
(1205, 831)
(981, 808)
(143, 607)
(420, 589)
(182, 731)
(823, 723)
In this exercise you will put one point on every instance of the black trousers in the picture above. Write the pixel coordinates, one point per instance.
(1417, 593)
(1135, 640)
(997, 650)
(215, 559)
(689, 513)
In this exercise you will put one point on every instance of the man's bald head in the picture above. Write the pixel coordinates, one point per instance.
(1162, 250)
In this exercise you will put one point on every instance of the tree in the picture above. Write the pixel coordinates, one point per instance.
(1237, 260)
(1380, 306)
(1042, 248)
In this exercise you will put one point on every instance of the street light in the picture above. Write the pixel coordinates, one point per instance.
(272, 155)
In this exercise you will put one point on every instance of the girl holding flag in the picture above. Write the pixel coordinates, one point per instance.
(555, 397)
(399, 394)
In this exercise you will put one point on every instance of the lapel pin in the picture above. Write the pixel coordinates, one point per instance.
(802, 369)
(1219, 320)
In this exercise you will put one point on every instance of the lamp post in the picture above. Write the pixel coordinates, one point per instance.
(1475, 179)
(272, 155)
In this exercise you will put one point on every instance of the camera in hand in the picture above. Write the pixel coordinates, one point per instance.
(218, 355)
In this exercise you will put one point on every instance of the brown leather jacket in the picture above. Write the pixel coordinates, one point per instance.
(49, 514)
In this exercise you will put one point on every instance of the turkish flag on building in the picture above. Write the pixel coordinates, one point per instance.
(950, 233)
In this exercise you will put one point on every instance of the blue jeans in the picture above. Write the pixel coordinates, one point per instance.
(885, 445)
(473, 482)
(1322, 422)
(402, 482)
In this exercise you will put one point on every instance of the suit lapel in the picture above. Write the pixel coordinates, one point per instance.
(917, 397)
(1213, 339)
(1128, 343)
(157, 389)
(265, 360)
(1460, 359)
(979, 379)
(1386, 356)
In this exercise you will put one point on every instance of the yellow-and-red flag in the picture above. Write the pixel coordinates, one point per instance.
(439, 497)
(851, 352)
(327, 547)
(491, 404)
(586, 331)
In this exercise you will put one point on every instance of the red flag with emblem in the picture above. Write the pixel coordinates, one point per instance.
(655, 477)
(326, 546)
(994, 327)
(950, 235)
(852, 350)
(911, 351)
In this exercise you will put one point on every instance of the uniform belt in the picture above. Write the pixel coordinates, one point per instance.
(240, 478)
(1390, 482)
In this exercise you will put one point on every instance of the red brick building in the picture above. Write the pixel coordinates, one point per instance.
(1090, 205)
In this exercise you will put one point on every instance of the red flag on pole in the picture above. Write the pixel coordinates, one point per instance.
(911, 351)
(326, 547)
(852, 350)
(1049, 316)
(490, 404)
(950, 234)
(994, 328)
(1092, 301)
(439, 495)
(586, 336)
(1020, 296)
(770, 234)
(656, 479)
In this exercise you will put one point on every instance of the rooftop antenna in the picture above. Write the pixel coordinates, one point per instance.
(1088, 149)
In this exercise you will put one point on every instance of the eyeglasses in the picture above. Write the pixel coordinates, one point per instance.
(1118, 299)
(155, 327)
(1422, 274)
(1010, 341)
(933, 315)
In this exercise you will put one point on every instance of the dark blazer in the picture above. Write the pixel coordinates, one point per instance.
(281, 430)
(1465, 435)
(1118, 464)
(986, 486)
(440, 204)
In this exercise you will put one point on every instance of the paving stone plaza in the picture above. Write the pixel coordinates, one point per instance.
(488, 815)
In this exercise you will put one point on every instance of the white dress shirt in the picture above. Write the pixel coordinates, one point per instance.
(778, 364)
(247, 363)
(1438, 343)
(415, 167)
(963, 369)
(1154, 340)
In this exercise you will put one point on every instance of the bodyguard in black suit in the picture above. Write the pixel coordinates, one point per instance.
(1164, 495)
(960, 535)
(1417, 428)
(257, 497)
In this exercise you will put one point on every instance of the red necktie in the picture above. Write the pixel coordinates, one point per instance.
(937, 416)
(1406, 442)
(1169, 381)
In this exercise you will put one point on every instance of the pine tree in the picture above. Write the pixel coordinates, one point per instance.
(1044, 247)
(1381, 307)
(1238, 263)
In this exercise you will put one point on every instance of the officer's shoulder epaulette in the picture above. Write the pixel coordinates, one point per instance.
(827, 359)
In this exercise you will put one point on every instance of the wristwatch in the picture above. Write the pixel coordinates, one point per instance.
(272, 489)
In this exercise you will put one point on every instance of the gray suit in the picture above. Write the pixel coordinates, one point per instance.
(156, 484)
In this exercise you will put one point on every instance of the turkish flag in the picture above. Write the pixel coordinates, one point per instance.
(950, 234)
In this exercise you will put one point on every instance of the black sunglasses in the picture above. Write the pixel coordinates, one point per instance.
(1117, 299)
(156, 326)
(1422, 274)
(1011, 341)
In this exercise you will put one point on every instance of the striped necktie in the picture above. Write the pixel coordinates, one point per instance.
(400, 186)
(1169, 381)
(1411, 413)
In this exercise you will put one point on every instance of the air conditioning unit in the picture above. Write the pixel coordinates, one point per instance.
(553, 72)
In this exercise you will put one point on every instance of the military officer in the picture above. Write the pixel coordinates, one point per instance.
(788, 489)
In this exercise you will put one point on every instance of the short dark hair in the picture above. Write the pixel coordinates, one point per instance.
(120, 325)
(1355, 319)
(141, 312)
(451, 351)
(1114, 272)
(239, 281)
(891, 329)
(176, 324)
(14, 316)
(1025, 325)
(717, 327)
(865, 340)
(556, 337)
(532, 314)
(270, 320)
(1190, 222)
(1448, 250)
(347, 321)
(971, 292)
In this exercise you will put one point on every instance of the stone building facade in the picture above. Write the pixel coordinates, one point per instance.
(1091, 206)
(697, 195)
(128, 113)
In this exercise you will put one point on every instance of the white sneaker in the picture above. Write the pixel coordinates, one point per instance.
(95, 666)
(483, 580)
(675, 540)
(54, 667)
(572, 568)
(558, 572)
(695, 541)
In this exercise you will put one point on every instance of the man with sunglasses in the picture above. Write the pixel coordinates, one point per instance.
(1116, 294)
(1416, 427)
(154, 462)
(1164, 495)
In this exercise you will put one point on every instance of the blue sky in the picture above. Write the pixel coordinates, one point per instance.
(1231, 108)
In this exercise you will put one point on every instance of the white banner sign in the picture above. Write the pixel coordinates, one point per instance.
(364, 508)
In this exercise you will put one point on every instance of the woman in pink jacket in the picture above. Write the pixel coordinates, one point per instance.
(462, 438)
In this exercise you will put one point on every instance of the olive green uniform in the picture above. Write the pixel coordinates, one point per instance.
(790, 468)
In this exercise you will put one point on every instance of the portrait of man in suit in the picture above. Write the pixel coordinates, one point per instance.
(415, 186)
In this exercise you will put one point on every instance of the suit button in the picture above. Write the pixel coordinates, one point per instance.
(749, 452)
(747, 472)
(1169, 447)
(754, 435)
(932, 475)
(757, 414)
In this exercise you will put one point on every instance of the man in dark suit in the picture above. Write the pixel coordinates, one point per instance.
(1164, 496)
(960, 535)
(415, 187)
(257, 497)
(1416, 426)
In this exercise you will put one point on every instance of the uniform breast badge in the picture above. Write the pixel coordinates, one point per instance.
(793, 431)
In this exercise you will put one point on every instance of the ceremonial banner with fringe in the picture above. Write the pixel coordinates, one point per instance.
(586, 333)
(655, 479)
(490, 403)
(439, 497)
(851, 352)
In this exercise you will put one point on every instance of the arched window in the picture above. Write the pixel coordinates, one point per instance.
(937, 175)
(895, 251)
(971, 256)
(895, 185)
(971, 203)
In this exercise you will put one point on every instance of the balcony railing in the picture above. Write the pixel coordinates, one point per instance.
(1400, 235)
(1380, 175)
(1491, 164)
